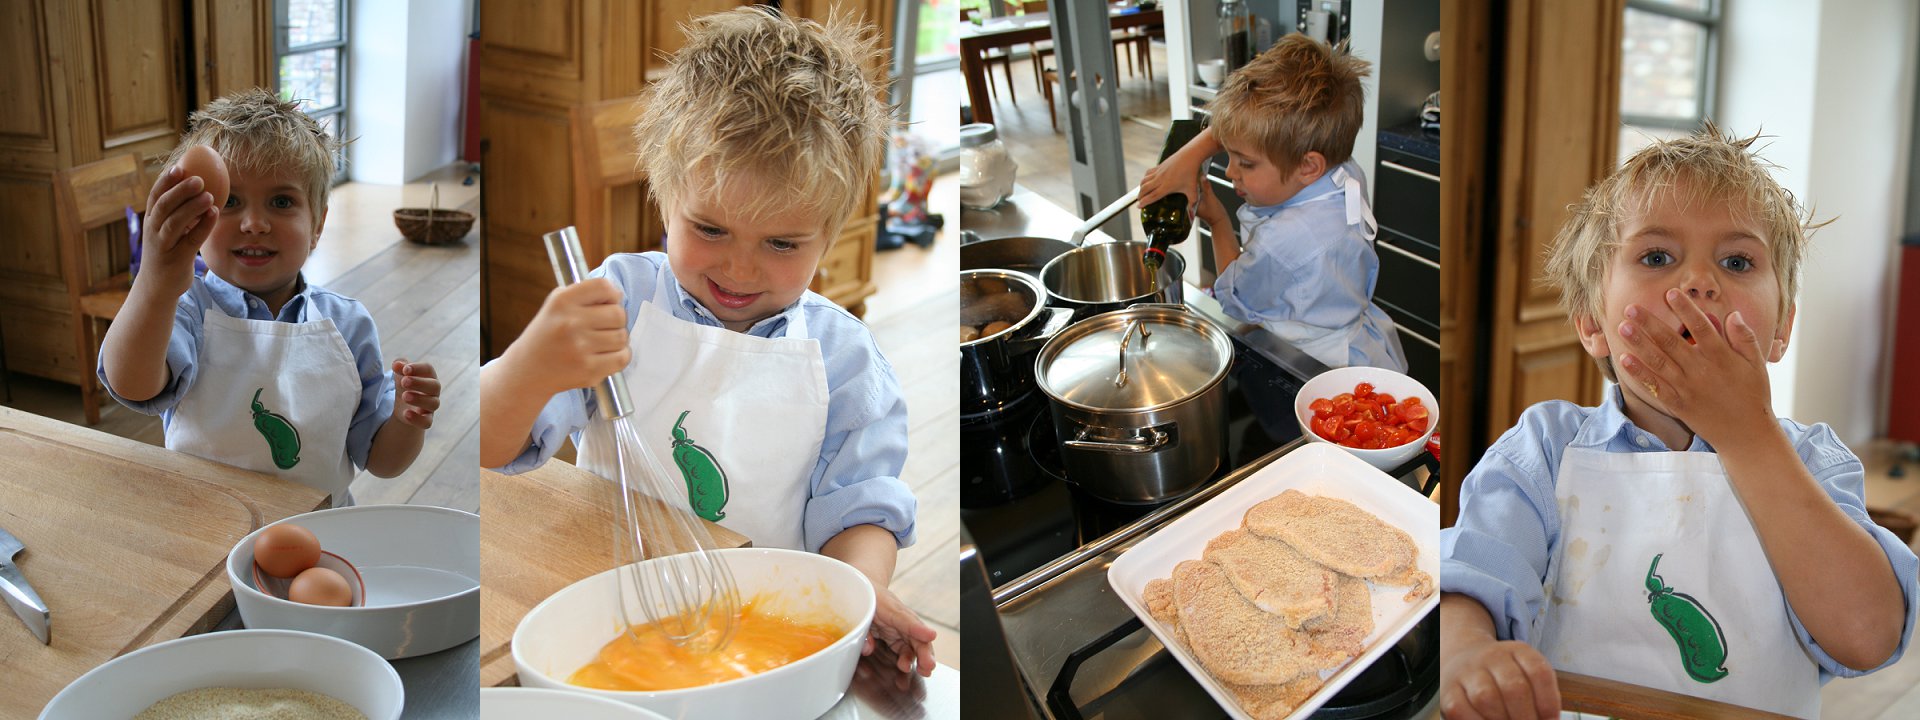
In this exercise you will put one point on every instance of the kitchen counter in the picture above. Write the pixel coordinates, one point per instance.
(1025, 214)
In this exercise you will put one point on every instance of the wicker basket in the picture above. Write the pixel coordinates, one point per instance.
(431, 225)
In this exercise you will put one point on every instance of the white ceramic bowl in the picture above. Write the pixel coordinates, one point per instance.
(1341, 380)
(1212, 72)
(254, 659)
(520, 703)
(567, 630)
(420, 566)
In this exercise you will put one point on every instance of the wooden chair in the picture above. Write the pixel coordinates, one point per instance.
(1038, 52)
(90, 197)
(604, 158)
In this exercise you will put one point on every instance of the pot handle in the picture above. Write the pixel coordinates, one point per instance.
(1079, 238)
(1146, 441)
(1057, 319)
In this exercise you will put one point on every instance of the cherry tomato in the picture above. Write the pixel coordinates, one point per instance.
(1368, 420)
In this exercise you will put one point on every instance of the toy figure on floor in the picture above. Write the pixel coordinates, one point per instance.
(904, 205)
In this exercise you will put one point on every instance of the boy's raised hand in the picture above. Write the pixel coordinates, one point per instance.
(419, 393)
(1716, 385)
(1209, 210)
(578, 338)
(1177, 174)
(180, 216)
(900, 629)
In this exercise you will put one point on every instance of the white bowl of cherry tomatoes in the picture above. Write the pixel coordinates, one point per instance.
(1381, 416)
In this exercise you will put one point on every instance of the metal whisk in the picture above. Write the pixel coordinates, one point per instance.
(687, 591)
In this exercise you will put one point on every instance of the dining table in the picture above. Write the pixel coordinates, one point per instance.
(1006, 32)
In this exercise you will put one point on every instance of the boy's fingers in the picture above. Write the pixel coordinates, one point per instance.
(1746, 340)
(1483, 695)
(422, 401)
(1691, 317)
(605, 317)
(592, 292)
(1515, 688)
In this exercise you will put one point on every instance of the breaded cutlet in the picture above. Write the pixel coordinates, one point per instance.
(1343, 632)
(1341, 536)
(1273, 576)
(1262, 702)
(1232, 639)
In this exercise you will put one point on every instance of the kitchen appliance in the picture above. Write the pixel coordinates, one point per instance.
(1110, 276)
(1046, 544)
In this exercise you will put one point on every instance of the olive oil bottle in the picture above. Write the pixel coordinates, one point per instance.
(1166, 220)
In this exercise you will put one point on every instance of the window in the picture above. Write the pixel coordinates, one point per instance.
(1668, 60)
(310, 49)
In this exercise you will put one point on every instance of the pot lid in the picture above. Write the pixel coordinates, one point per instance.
(1171, 355)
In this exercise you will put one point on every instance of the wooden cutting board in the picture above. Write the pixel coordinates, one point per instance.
(541, 531)
(126, 542)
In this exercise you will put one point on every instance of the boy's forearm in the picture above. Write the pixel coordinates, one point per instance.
(511, 412)
(1833, 573)
(395, 445)
(1202, 146)
(134, 351)
(1465, 624)
(1226, 247)
(869, 548)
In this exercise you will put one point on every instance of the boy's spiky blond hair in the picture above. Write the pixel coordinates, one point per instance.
(1706, 167)
(257, 132)
(786, 101)
(1299, 96)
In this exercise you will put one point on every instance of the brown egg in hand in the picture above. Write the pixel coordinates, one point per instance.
(203, 162)
(320, 586)
(285, 550)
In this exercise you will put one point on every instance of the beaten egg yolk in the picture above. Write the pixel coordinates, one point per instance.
(646, 659)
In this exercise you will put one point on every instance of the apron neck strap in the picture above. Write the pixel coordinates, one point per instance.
(664, 298)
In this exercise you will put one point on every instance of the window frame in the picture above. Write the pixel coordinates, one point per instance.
(282, 48)
(1706, 79)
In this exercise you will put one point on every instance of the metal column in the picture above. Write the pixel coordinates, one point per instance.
(1083, 45)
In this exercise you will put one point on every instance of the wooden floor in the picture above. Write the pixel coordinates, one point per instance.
(1042, 152)
(1893, 693)
(912, 320)
(422, 300)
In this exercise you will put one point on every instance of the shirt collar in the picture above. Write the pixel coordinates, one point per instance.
(769, 327)
(1313, 191)
(236, 302)
(1609, 427)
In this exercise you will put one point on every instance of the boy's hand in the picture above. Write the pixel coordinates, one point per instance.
(180, 216)
(578, 338)
(1177, 174)
(1209, 210)
(900, 630)
(1716, 385)
(419, 390)
(1498, 680)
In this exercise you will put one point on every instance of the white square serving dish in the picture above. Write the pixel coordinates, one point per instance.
(1315, 469)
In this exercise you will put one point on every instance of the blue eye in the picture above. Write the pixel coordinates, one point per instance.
(709, 231)
(1656, 258)
(780, 245)
(282, 202)
(1738, 263)
(232, 201)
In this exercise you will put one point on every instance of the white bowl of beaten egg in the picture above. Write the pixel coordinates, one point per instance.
(245, 661)
(569, 630)
(420, 566)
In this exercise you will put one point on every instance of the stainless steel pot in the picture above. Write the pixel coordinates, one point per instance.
(996, 369)
(1139, 401)
(1024, 254)
(1110, 276)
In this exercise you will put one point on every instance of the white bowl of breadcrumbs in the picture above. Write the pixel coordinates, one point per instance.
(284, 674)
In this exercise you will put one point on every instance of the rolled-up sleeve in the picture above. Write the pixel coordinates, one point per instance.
(1497, 553)
(376, 381)
(857, 480)
(564, 414)
(1841, 474)
(183, 354)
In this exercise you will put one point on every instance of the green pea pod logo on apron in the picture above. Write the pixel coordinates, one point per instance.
(706, 482)
(1703, 647)
(282, 437)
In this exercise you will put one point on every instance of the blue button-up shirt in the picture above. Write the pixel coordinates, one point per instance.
(1303, 263)
(1509, 522)
(856, 480)
(310, 303)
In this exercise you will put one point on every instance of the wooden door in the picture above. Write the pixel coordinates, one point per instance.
(1553, 134)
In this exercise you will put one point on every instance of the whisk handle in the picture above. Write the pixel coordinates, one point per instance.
(569, 267)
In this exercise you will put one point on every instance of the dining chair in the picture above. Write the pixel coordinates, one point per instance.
(90, 197)
(995, 56)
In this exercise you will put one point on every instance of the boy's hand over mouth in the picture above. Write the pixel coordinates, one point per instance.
(1716, 384)
(419, 393)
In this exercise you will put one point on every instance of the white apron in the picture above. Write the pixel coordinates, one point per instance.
(1331, 346)
(739, 418)
(274, 397)
(1708, 621)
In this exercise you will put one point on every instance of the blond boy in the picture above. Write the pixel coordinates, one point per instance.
(758, 144)
(1679, 536)
(252, 365)
(1287, 122)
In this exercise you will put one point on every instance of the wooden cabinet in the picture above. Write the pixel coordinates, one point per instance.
(539, 59)
(1551, 119)
(83, 81)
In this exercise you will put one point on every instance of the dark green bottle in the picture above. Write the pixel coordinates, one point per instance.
(1166, 220)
